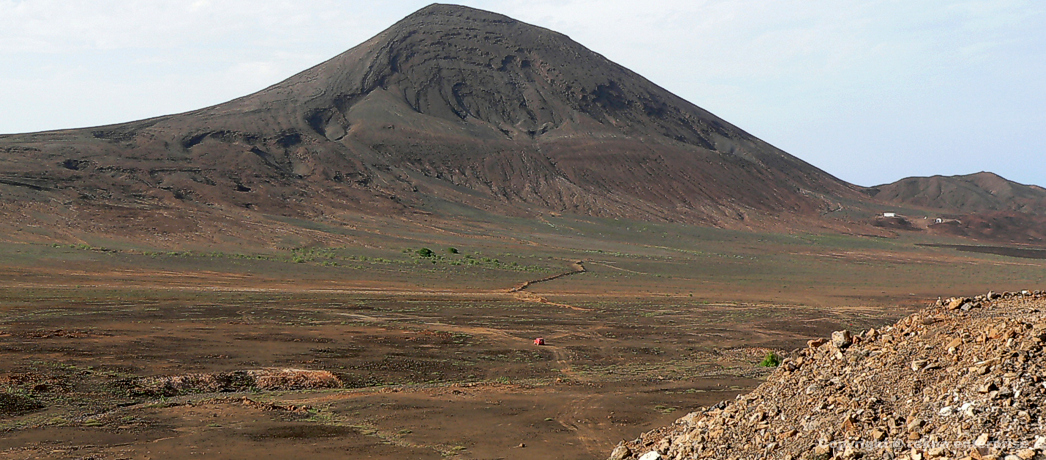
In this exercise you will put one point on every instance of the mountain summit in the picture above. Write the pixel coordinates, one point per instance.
(449, 105)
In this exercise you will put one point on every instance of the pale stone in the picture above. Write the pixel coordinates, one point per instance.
(842, 339)
(982, 440)
(1040, 443)
(652, 455)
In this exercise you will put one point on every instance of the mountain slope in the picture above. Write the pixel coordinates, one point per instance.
(451, 104)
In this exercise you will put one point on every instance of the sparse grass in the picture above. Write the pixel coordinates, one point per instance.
(92, 422)
(647, 257)
(665, 409)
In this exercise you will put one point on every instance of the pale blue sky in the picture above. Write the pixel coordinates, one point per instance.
(870, 91)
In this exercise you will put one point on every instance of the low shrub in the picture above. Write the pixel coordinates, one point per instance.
(771, 360)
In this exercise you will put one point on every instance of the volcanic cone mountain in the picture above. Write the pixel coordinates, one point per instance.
(450, 105)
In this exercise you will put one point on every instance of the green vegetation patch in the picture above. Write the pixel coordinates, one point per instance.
(771, 360)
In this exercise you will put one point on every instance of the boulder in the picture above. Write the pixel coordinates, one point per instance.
(842, 339)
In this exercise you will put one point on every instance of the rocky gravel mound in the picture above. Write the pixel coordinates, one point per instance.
(963, 379)
(246, 380)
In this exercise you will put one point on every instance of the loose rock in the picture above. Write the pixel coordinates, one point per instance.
(934, 385)
(652, 455)
(842, 339)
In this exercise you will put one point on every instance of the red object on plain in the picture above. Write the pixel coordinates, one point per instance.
(539, 341)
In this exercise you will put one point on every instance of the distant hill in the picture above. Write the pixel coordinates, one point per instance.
(982, 206)
(972, 193)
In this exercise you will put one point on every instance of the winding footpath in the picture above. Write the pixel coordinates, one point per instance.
(518, 291)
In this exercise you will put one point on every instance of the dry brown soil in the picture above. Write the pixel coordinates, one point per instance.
(433, 356)
(423, 376)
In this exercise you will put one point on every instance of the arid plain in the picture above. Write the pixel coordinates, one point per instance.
(114, 350)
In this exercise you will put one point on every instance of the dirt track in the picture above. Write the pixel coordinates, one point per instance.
(579, 267)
